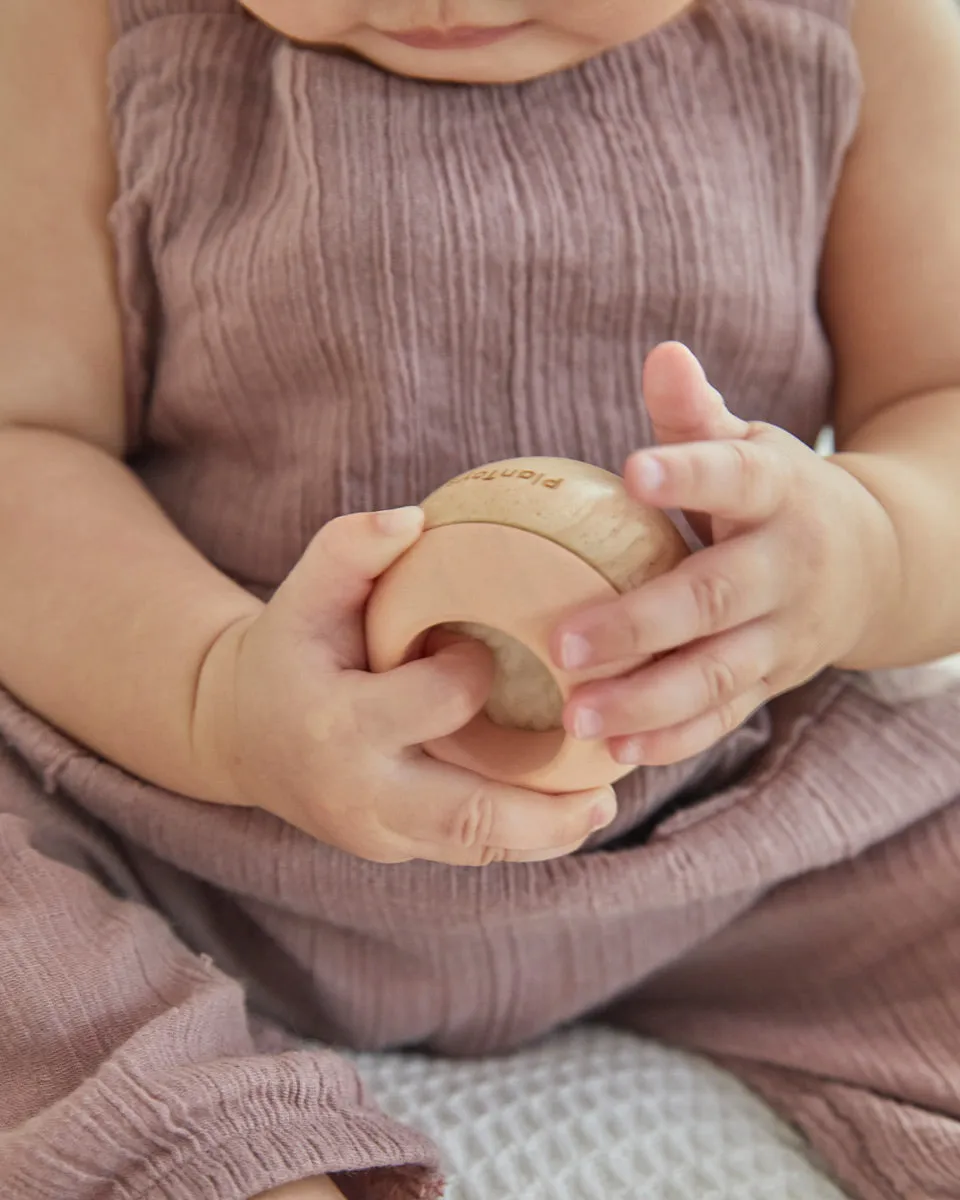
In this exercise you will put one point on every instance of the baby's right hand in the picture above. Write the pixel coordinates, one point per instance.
(288, 719)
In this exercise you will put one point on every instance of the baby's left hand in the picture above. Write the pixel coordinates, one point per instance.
(799, 558)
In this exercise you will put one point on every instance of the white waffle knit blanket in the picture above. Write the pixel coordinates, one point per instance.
(597, 1115)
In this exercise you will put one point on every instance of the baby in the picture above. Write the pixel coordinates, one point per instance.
(273, 272)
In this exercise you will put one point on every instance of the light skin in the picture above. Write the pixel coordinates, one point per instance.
(855, 561)
(784, 589)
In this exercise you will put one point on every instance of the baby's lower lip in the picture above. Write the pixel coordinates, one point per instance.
(456, 39)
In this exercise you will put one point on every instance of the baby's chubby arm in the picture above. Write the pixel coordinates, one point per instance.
(118, 631)
(891, 302)
(104, 609)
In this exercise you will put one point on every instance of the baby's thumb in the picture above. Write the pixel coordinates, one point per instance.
(437, 694)
(681, 403)
(329, 587)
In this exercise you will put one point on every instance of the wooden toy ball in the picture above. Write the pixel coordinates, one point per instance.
(507, 551)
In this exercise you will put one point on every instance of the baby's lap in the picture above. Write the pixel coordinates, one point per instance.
(839, 960)
(30, 819)
(47, 835)
(903, 890)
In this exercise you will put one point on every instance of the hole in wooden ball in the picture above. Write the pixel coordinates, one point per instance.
(525, 694)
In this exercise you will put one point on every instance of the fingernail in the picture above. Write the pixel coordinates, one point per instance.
(398, 522)
(604, 812)
(575, 651)
(587, 724)
(630, 753)
(650, 473)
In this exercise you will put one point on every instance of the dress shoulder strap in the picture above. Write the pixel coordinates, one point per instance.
(128, 14)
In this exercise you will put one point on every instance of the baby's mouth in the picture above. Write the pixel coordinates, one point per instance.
(461, 38)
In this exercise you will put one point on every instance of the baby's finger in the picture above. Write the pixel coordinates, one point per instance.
(326, 590)
(679, 688)
(682, 404)
(744, 480)
(663, 747)
(426, 699)
(710, 592)
(450, 815)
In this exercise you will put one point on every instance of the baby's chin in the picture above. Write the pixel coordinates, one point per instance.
(527, 56)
